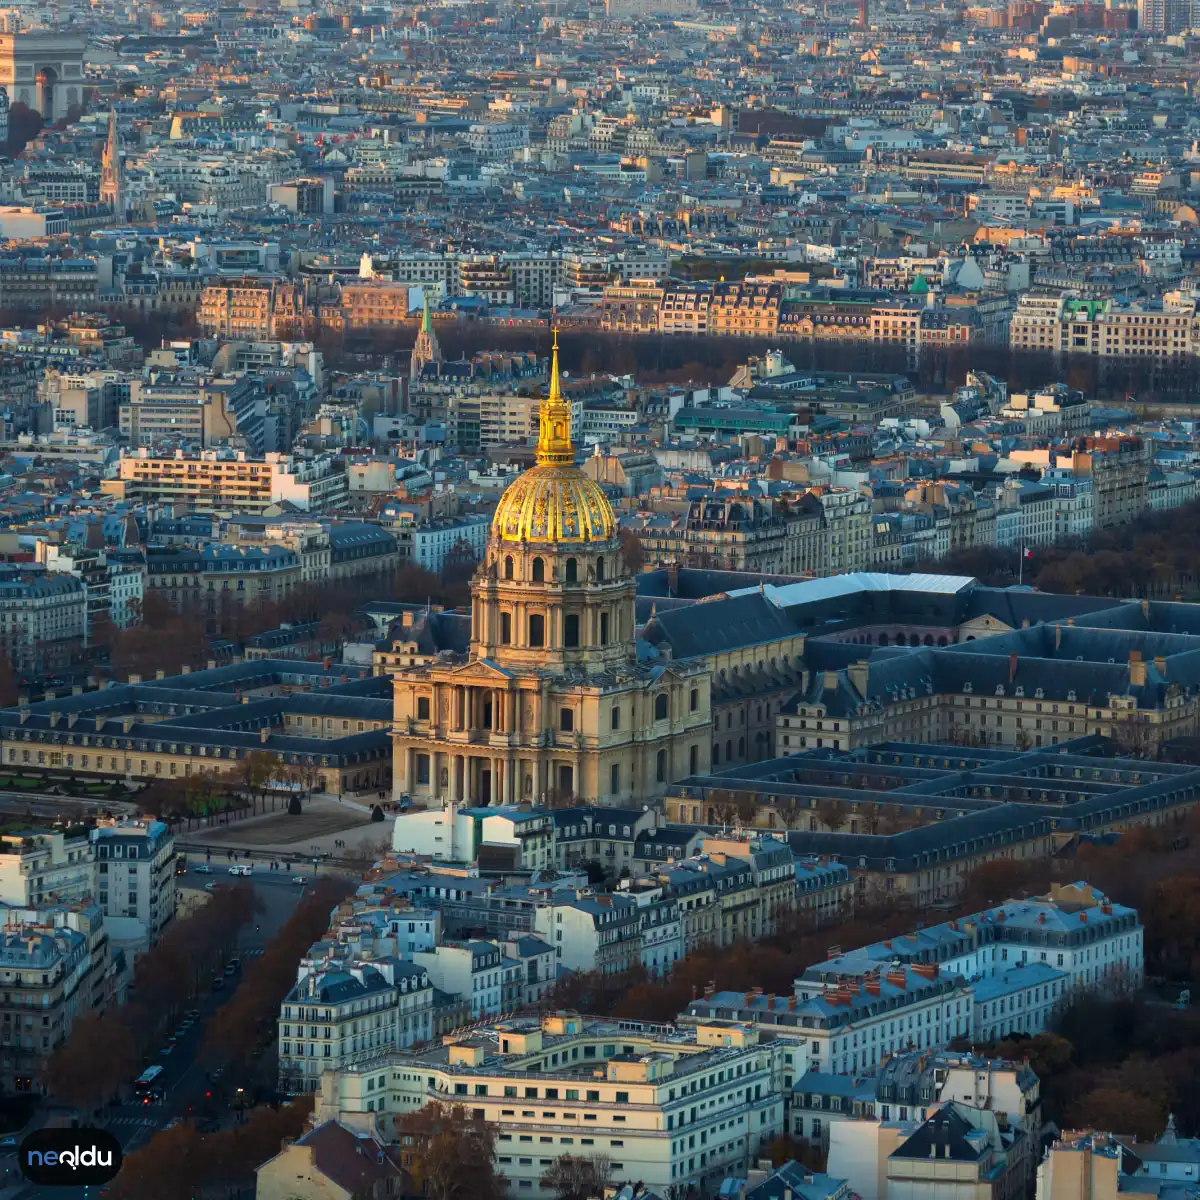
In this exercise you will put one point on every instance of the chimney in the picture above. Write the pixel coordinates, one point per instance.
(1137, 669)
(101, 722)
(23, 712)
(54, 719)
(859, 674)
(160, 674)
(1012, 667)
(1057, 636)
(71, 719)
(212, 664)
(1146, 609)
(185, 669)
(1160, 664)
(127, 723)
(77, 690)
(264, 734)
(135, 679)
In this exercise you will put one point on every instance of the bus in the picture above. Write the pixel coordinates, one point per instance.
(145, 1081)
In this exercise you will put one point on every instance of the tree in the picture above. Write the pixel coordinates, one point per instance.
(24, 124)
(96, 1058)
(577, 1176)
(449, 1154)
(632, 551)
(1119, 1110)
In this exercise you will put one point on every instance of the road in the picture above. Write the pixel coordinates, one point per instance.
(183, 1078)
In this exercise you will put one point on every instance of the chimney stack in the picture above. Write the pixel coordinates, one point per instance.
(1012, 667)
(1137, 669)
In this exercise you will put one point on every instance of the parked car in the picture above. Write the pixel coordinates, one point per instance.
(300, 879)
(202, 869)
(210, 887)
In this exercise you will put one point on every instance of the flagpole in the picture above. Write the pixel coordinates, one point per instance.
(1020, 565)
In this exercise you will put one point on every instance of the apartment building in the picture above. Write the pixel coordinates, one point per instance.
(1072, 939)
(254, 309)
(216, 480)
(906, 1085)
(135, 877)
(594, 933)
(211, 579)
(41, 868)
(745, 309)
(674, 1108)
(43, 618)
(374, 304)
(850, 1026)
(44, 965)
(632, 307)
(477, 970)
(350, 1011)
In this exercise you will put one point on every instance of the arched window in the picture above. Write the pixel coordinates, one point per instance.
(660, 706)
(537, 629)
(599, 570)
(571, 629)
(539, 571)
(572, 569)
(616, 717)
(508, 566)
(506, 628)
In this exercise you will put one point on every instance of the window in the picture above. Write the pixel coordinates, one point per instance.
(422, 768)
(572, 571)
(571, 629)
(661, 706)
(599, 570)
(422, 708)
(616, 778)
(604, 629)
(566, 720)
(539, 571)
(693, 759)
(506, 628)
(616, 717)
(694, 699)
(660, 766)
(537, 629)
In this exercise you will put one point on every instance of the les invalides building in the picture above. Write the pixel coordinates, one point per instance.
(553, 700)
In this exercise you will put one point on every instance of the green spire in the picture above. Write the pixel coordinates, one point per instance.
(426, 320)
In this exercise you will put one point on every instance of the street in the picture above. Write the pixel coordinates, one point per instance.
(182, 1080)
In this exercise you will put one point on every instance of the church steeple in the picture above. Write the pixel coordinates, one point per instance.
(112, 169)
(554, 448)
(426, 349)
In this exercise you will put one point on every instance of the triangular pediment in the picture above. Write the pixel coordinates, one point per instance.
(482, 669)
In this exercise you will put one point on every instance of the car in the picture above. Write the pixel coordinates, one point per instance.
(237, 869)
(210, 887)
(230, 969)
(300, 879)
(218, 984)
(202, 869)
(181, 868)
(192, 1014)
(166, 1050)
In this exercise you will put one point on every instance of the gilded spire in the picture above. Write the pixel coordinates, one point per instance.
(554, 447)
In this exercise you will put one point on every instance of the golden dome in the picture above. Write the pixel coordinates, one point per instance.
(554, 501)
(554, 504)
